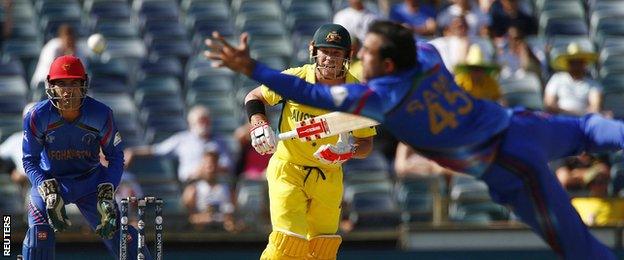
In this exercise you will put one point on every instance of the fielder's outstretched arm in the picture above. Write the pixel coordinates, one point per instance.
(351, 98)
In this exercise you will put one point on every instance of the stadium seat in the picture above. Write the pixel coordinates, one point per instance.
(374, 162)
(25, 31)
(527, 82)
(353, 177)
(10, 123)
(130, 48)
(117, 29)
(165, 66)
(180, 48)
(115, 9)
(416, 197)
(612, 101)
(122, 104)
(152, 169)
(524, 98)
(611, 26)
(13, 85)
(117, 69)
(470, 202)
(617, 180)
(220, 85)
(253, 203)
(162, 105)
(159, 30)
(371, 206)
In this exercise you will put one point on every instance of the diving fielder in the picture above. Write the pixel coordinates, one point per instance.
(305, 178)
(63, 136)
(413, 95)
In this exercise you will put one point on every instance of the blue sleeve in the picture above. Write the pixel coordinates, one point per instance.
(356, 99)
(112, 147)
(32, 146)
(395, 15)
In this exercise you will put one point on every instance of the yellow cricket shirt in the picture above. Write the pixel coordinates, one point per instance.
(294, 150)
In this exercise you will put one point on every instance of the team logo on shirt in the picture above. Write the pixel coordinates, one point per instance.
(117, 139)
(339, 94)
(88, 138)
(49, 138)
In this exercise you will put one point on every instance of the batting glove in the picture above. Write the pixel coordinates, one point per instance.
(55, 206)
(339, 153)
(107, 208)
(263, 139)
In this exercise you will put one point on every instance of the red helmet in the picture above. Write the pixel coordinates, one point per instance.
(67, 67)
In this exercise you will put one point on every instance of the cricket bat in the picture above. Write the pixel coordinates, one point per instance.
(329, 124)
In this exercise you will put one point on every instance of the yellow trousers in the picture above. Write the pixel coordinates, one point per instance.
(304, 204)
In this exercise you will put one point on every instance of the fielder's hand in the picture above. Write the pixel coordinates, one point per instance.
(338, 153)
(107, 207)
(263, 139)
(223, 54)
(55, 206)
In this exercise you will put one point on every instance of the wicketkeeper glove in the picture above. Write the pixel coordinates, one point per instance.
(339, 153)
(55, 206)
(263, 139)
(107, 207)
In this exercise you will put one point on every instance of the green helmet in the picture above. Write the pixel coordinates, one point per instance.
(332, 36)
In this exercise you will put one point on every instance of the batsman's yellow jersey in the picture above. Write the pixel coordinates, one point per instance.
(294, 150)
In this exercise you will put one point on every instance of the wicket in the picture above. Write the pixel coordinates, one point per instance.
(142, 203)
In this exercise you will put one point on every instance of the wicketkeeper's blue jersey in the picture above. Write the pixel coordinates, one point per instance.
(55, 148)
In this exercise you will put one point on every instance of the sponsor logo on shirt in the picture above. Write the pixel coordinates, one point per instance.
(69, 154)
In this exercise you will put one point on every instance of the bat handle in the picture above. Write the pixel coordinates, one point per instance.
(287, 135)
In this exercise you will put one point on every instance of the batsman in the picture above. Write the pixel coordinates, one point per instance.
(63, 137)
(305, 178)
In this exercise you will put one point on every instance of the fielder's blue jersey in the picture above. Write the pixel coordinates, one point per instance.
(55, 148)
(422, 107)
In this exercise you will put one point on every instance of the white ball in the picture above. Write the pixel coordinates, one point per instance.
(96, 43)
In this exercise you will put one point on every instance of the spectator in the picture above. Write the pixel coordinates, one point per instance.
(585, 172)
(11, 150)
(416, 16)
(64, 44)
(207, 201)
(587, 178)
(505, 13)
(188, 145)
(355, 18)
(251, 165)
(478, 76)
(355, 67)
(6, 24)
(572, 90)
(515, 56)
(453, 47)
(407, 163)
(477, 21)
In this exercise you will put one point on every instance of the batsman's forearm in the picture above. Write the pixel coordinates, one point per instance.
(363, 147)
